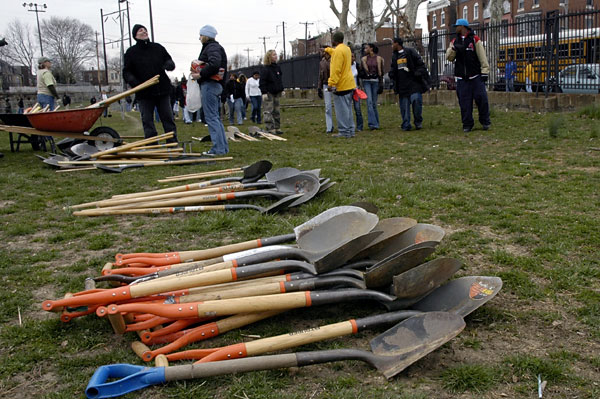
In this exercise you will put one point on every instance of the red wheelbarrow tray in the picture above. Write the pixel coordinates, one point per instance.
(72, 120)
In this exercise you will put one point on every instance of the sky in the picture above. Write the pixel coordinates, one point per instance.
(240, 24)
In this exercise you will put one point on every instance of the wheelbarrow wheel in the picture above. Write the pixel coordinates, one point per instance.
(104, 131)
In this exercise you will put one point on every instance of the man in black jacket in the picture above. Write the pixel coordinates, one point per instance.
(471, 72)
(142, 61)
(271, 87)
(407, 71)
(213, 68)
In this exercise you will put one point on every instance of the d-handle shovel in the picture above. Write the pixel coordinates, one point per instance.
(391, 352)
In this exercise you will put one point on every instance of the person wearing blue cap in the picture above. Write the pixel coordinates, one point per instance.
(471, 72)
(211, 77)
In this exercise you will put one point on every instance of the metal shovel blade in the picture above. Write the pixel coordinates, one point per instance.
(424, 278)
(418, 233)
(414, 338)
(83, 149)
(452, 297)
(382, 273)
(255, 171)
(391, 228)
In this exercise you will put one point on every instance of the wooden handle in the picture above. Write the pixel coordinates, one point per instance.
(253, 304)
(150, 82)
(219, 251)
(157, 286)
(138, 143)
(239, 292)
(118, 323)
(139, 348)
(234, 284)
(222, 172)
(161, 361)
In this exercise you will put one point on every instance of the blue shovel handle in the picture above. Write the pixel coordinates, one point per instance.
(131, 379)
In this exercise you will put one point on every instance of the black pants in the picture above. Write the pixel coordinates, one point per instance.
(469, 90)
(165, 112)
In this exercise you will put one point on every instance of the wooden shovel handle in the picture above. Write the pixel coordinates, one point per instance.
(150, 82)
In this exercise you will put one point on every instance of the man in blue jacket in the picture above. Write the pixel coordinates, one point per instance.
(212, 72)
(143, 61)
(509, 73)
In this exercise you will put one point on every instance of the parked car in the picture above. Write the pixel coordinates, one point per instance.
(580, 79)
(447, 77)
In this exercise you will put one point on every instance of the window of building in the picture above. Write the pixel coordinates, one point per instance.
(434, 20)
(589, 3)
(475, 11)
(443, 18)
(535, 4)
(589, 22)
(521, 5)
(466, 13)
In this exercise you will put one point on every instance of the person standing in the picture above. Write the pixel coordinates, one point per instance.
(66, 100)
(323, 92)
(242, 80)
(255, 96)
(103, 97)
(406, 71)
(510, 70)
(210, 78)
(471, 70)
(128, 103)
(528, 76)
(46, 84)
(372, 65)
(142, 61)
(356, 71)
(21, 105)
(271, 87)
(342, 84)
(234, 95)
(7, 106)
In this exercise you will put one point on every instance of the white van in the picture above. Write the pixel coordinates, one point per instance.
(580, 79)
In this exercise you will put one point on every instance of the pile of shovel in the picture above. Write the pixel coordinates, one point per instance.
(254, 134)
(344, 254)
(289, 187)
(142, 153)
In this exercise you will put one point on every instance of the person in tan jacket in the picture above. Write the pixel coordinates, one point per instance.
(341, 82)
(471, 72)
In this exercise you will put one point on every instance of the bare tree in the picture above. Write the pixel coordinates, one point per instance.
(21, 49)
(71, 43)
(365, 25)
(409, 9)
(496, 10)
(238, 61)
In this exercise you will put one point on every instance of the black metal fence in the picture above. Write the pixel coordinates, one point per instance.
(563, 50)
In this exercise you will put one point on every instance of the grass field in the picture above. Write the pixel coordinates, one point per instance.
(520, 201)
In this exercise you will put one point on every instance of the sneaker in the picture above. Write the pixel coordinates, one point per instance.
(208, 154)
(418, 127)
(278, 132)
(467, 129)
(329, 131)
(406, 129)
(486, 127)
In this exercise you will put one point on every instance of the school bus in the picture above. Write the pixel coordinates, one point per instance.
(575, 46)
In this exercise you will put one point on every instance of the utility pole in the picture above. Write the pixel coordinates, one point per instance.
(104, 46)
(33, 7)
(151, 23)
(248, 50)
(264, 39)
(128, 20)
(98, 63)
(306, 35)
(283, 28)
(122, 55)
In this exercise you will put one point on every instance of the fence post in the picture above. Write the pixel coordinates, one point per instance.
(551, 32)
(432, 50)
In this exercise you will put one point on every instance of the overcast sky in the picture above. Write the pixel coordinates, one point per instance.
(240, 23)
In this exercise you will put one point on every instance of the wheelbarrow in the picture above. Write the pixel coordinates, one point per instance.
(73, 124)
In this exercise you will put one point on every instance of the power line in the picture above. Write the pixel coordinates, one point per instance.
(306, 35)
(264, 39)
(248, 50)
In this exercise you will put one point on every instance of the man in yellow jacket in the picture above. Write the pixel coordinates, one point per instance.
(341, 82)
(528, 75)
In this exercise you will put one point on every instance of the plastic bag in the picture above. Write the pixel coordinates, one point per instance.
(193, 100)
(359, 95)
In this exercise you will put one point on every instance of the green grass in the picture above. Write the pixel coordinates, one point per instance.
(518, 201)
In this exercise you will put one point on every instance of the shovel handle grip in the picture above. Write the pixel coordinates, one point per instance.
(94, 298)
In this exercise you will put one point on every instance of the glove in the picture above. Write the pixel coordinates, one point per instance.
(169, 65)
(320, 92)
(484, 78)
(265, 97)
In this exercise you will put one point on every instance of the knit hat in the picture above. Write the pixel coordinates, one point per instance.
(137, 27)
(208, 31)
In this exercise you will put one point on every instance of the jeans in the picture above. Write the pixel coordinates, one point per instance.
(271, 114)
(235, 106)
(211, 101)
(328, 109)
(415, 101)
(256, 102)
(44, 99)
(468, 90)
(510, 84)
(358, 113)
(528, 85)
(371, 87)
(160, 105)
(343, 113)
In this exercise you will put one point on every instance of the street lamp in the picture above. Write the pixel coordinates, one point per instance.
(34, 8)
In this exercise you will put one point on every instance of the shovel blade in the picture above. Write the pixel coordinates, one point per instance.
(424, 278)
(412, 339)
(461, 296)
(382, 273)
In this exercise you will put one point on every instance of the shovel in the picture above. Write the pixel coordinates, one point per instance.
(392, 351)
(249, 172)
